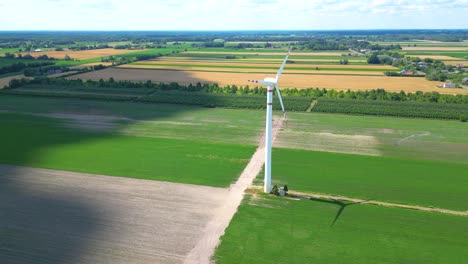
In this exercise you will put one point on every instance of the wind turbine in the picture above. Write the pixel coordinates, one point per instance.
(270, 83)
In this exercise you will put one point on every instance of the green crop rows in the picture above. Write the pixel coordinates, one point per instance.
(392, 108)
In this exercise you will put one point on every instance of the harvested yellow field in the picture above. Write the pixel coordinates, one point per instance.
(455, 63)
(268, 53)
(241, 70)
(82, 54)
(6, 80)
(437, 57)
(437, 48)
(248, 60)
(290, 66)
(395, 84)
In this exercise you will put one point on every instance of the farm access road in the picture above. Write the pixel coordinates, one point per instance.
(204, 249)
(308, 195)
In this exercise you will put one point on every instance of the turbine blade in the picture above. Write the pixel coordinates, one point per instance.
(281, 100)
(282, 66)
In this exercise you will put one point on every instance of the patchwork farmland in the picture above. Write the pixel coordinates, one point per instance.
(134, 155)
(309, 70)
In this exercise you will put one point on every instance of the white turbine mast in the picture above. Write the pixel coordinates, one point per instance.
(270, 83)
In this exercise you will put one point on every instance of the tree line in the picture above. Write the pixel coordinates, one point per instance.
(370, 95)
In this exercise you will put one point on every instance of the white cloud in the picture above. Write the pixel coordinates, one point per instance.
(230, 15)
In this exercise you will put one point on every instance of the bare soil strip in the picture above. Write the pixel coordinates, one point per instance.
(50, 216)
(206, 246)
(6, 80)
(363, 201)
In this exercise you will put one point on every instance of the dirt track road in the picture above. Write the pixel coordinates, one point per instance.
(387, 204)
(204, 249)
(49, 216)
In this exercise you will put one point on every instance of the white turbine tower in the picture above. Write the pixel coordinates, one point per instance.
(270, 83)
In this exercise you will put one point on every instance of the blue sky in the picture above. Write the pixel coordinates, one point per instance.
(231, 15)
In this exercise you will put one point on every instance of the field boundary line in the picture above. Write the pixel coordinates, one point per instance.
(308, 195)
(205, 248)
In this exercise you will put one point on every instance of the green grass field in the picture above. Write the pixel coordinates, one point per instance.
(372, 135)
(407, 181)
(209, 146)
(153, 120)
(456, 54)
(280, 230)
(46, 143)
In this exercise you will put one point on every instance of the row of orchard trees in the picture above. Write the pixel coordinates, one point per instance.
(393, 108)
(375, 95)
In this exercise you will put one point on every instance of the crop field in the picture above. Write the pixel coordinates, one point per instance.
(269, 65)
(263, 52)
(167, 166)
(406, 161)
(454, 54)
(81, 55)
(53, 216)
(305, 70)
(397, 153)
(72, 138)
(7, 61)
(259, 59)
(269, 229)
(377, 136)
(455, 62)
(439, 57)
(200, 68)
(424, 43)
(392, 108)
(339, 82)
(398, 180)
(462, 48)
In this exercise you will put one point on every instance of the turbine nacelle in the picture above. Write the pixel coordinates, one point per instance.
(267, 81)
